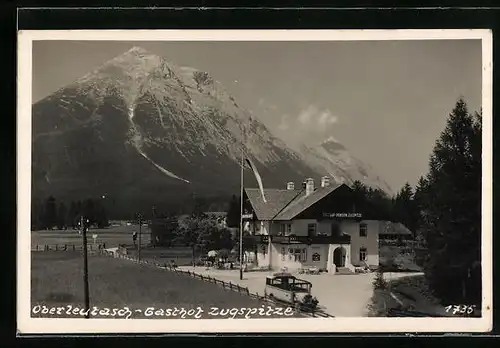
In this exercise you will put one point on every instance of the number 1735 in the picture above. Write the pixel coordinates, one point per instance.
(460, 309)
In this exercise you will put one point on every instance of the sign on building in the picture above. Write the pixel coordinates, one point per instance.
(342, 215)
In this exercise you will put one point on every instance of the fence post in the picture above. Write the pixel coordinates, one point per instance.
(230, 285)
(73, 247)
(56, 247)
(37, 247)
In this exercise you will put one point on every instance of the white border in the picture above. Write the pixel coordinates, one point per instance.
(26, 324)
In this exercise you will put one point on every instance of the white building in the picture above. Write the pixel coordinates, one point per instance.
(311, 227)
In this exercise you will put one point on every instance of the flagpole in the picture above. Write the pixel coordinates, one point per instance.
(241, 217)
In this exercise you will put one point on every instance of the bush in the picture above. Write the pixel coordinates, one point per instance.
(379, 304)
(310, 303)
(379, 283)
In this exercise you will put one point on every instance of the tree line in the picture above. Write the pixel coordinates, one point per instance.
(51, 214)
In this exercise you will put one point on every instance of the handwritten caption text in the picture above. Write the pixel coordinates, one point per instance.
(157, 313)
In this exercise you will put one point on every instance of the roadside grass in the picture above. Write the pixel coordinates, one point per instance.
(57, 281)
(380, 303)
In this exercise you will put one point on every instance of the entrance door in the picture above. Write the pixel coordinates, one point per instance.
(339, 255)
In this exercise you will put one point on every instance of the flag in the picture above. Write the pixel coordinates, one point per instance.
(257, 177)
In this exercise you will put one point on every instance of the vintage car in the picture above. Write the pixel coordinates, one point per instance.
(287, 288)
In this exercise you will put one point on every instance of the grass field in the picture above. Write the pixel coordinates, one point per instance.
(57, 281)
(111, 236)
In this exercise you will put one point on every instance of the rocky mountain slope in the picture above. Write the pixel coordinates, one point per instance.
(141, 129)
(332, 158)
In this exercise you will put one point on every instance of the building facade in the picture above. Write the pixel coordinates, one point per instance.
(310, 227)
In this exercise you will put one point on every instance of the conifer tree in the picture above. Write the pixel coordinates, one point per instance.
(50, 213)
(72, 214)
(61, 216)
(405, 209)
(450, 201)
(233, 212)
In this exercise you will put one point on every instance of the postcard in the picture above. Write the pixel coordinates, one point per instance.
(184, 181)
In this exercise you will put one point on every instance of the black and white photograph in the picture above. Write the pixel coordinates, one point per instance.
(254, 181)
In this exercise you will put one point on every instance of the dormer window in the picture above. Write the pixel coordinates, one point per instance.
(363, 230)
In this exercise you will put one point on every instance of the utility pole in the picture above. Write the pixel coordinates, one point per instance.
(139, 216)
(153, 220)
(241, 217)
(84, 227)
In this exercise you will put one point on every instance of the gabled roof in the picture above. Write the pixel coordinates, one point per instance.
(303, 202)
(276, 199)
(285, 204)
(395, 228)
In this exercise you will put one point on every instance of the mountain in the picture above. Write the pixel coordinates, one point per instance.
(139, 128)
(332, 158)
(141, 131)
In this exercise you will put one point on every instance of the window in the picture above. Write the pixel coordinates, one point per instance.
(296, 255)
(311, 230)
(363, 230)
(299, 255)
(362, 254)
(264, 250)
(335, 229)
(283, 251)
(316, 257)
(290, 255)
(285, 229)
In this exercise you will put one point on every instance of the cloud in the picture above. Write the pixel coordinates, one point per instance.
(312, 116)
(307, 114)
(326, 117)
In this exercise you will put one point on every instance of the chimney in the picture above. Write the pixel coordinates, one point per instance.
(303, 185)
(309, 186)
(290, 185)
(325, 181)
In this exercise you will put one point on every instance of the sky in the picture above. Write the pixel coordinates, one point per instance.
(385, 101)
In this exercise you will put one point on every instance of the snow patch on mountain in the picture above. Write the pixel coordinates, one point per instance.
(137, 142)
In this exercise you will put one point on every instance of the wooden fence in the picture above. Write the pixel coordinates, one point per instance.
(67, 247)
(225, 285)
